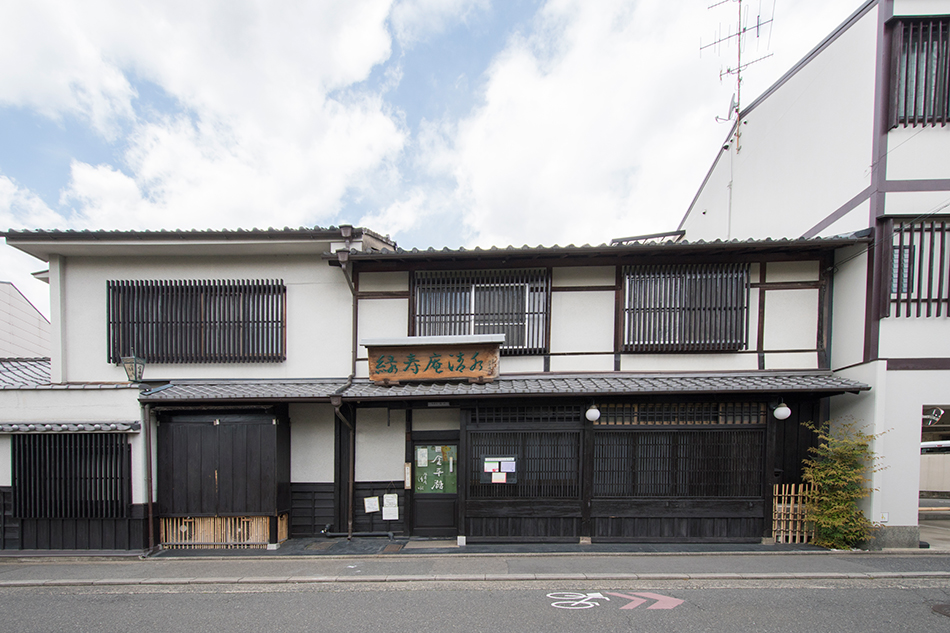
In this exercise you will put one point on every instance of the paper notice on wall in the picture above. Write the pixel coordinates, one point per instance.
(491, 467)
(507, 467)
(390, 507)
(422, 457)
(371, 504)
(498, 478)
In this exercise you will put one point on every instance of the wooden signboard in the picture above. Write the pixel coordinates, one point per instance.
(476, 362)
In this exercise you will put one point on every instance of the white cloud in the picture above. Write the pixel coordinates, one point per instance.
(597, 123)
(414, 20)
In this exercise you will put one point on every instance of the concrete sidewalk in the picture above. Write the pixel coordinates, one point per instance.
(421, 561)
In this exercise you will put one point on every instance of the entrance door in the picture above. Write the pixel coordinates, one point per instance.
(435, 489)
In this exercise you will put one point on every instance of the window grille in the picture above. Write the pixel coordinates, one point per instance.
(920, 268)
(71, 476)
(237, 321)
(706, 463)
(686, 307)
(920, 72)
(515, 303)
(546, 415)
(547, 462)
(682, 413)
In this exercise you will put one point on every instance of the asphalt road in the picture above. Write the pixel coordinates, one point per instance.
(728, 606)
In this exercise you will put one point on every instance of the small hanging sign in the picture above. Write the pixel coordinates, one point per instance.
(391, 507)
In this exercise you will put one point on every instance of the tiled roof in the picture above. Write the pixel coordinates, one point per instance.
(204, 390)
(661, 245)
(24, 372)
(72, 427)
(614, 384)
(163, 234)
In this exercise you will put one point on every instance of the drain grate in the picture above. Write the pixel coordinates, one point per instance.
(392, 548)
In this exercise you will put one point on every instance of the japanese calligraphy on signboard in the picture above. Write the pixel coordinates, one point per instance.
(436, 469)
(433, 362)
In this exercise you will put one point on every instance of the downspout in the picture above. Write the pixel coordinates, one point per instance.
(343, 256)
(147, 421)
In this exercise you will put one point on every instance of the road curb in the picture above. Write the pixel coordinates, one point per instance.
(377, 579)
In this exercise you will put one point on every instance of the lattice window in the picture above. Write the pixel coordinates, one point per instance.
(546, 415)
(72, 476)
(198, 321)
(707, 463)
(548, 463)
(920, 268)
(920, 72)
(682, 413)
(515, 303)
(684, 308)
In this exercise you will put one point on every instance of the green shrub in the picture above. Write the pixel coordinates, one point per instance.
(837, 469)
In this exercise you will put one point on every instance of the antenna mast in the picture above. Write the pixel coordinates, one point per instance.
(742, 28)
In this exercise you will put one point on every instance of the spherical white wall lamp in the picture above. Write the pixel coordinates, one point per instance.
(593, 413)
(781, 411)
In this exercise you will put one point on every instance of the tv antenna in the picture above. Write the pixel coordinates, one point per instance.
(738, 34)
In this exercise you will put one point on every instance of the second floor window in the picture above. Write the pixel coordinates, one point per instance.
(686, 308)
(920, 268)
(204, 321)
(920, 72)
(515, 303)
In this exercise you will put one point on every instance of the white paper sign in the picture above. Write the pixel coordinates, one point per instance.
(422, 457)
(390, 507)
(371, 504)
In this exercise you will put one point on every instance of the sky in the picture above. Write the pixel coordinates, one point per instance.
(436, 122)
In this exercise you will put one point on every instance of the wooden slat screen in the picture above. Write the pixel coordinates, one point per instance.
(515, 303)
(682, 413)
(71, 476)
(920, 268)
(546, 415)
(920, 72)
(686, 308)
(548, 463)
(707, 463)
(189, 321)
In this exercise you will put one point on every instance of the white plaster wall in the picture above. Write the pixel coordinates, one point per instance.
(918, 153)
(382, 318)
(582, 321)
(24, 332)
(805, 149)
(708, 215)
(318, 315)
(6, 460)
(689, 362)
(566, 276)
(915, 338)
(380, 449)
(855, 220)
(139, 468)
(848, 306)
(73, 405)
(521, 365)
(791, 319)
(583, 363)
(436, 419)
(798, 360)
(921, 7)
(915, 202)
(384, 282)
(777, 272)
(312, 442)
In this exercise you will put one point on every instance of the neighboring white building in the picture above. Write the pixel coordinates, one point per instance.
(856, 138)
(24, 331)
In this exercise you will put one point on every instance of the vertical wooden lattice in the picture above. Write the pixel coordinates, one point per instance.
(515, 303)
(191, 321)
(920, 270)
(789, 513)
(920, 72)
(686, 308)
(71, 476)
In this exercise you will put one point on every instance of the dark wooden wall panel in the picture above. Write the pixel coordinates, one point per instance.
(9, 526)
(373, 522)
(311, 508)
(83, 534)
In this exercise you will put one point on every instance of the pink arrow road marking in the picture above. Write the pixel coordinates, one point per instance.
(662, 602)
(634, 601)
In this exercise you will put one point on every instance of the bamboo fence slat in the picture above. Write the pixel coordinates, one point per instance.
(789, 521)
